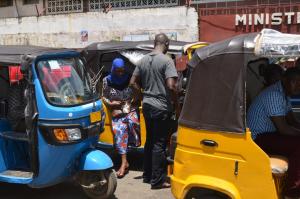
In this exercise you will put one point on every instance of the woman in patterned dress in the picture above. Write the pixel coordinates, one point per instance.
(118, 97)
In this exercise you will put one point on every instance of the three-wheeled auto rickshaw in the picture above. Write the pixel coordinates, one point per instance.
(50, 121)
(100, 55)
(215, 156)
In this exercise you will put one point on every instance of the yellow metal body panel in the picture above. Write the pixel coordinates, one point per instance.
(236, 167)
(107, 136)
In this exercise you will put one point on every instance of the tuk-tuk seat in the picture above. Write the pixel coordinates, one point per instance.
(279, 164)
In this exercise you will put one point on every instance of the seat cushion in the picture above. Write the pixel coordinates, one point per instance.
(279, 164)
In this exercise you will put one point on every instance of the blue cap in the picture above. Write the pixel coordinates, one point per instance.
(118, 63)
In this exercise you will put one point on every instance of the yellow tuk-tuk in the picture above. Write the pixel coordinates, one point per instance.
(215, 156)
(99, 57)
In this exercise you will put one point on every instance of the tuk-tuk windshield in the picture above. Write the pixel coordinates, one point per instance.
(65, 81)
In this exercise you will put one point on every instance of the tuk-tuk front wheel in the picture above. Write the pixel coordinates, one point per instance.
(98, 184)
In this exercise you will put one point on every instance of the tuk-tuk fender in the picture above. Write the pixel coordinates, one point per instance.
(211, 183)
(95, 160)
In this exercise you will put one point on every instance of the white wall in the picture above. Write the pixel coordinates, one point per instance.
(64, 30)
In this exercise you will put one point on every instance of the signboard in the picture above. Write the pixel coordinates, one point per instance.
(84, 36)
(268, 18)
(216, 24)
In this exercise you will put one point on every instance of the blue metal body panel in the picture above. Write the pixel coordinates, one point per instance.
(16, 155)
(95, 160)
(4, 126)
(57, 163)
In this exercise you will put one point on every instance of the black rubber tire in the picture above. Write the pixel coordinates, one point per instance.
(204, 197)
(110, 187)
(205, 194)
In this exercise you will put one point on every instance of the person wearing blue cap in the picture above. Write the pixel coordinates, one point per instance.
(117, 96)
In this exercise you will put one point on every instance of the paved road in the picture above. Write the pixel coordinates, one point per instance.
(130, 187)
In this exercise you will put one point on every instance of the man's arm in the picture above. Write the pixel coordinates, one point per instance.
(135, 85)
(171, 84)
(283, 127)
(292, 120)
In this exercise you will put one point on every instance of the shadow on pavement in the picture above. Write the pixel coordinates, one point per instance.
(65, 190)
(68, 189)
(134, 158)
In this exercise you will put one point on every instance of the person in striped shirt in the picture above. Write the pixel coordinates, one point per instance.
(275, 128)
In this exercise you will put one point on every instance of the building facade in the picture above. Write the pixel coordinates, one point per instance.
(24, 8)
(77, 23)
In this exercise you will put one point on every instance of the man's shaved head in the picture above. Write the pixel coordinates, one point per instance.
(162, 40)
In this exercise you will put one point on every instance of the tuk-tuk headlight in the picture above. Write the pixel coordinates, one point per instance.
(66, 135)
(73, 134)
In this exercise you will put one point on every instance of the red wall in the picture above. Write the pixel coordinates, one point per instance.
(216, 24)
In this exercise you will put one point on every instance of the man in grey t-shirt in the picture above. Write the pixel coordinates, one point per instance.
(156, 75)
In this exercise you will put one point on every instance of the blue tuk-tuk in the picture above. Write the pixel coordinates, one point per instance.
(50, 120)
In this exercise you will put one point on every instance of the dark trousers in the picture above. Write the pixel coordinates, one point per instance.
(155, 162)
(289, 147)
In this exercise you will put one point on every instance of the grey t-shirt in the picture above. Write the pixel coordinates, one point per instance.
(153, 71)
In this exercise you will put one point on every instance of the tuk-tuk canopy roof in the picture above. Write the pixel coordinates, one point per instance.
(133, 51)
(216, 94)
(11, 54)
(174, 47)
(236, 45)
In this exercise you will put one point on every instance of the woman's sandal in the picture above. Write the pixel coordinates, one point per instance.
(121, 175)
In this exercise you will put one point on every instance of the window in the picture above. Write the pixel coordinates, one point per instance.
(6, 3)
(96, 5)
(64, 6)
(25, 2)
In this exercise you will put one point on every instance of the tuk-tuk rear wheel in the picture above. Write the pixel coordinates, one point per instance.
(205, 197)
(205, 194)
(102, 184)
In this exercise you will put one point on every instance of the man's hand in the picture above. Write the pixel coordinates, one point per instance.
(135, 85)
(171, 84)
(292, 120)
(283, 127)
